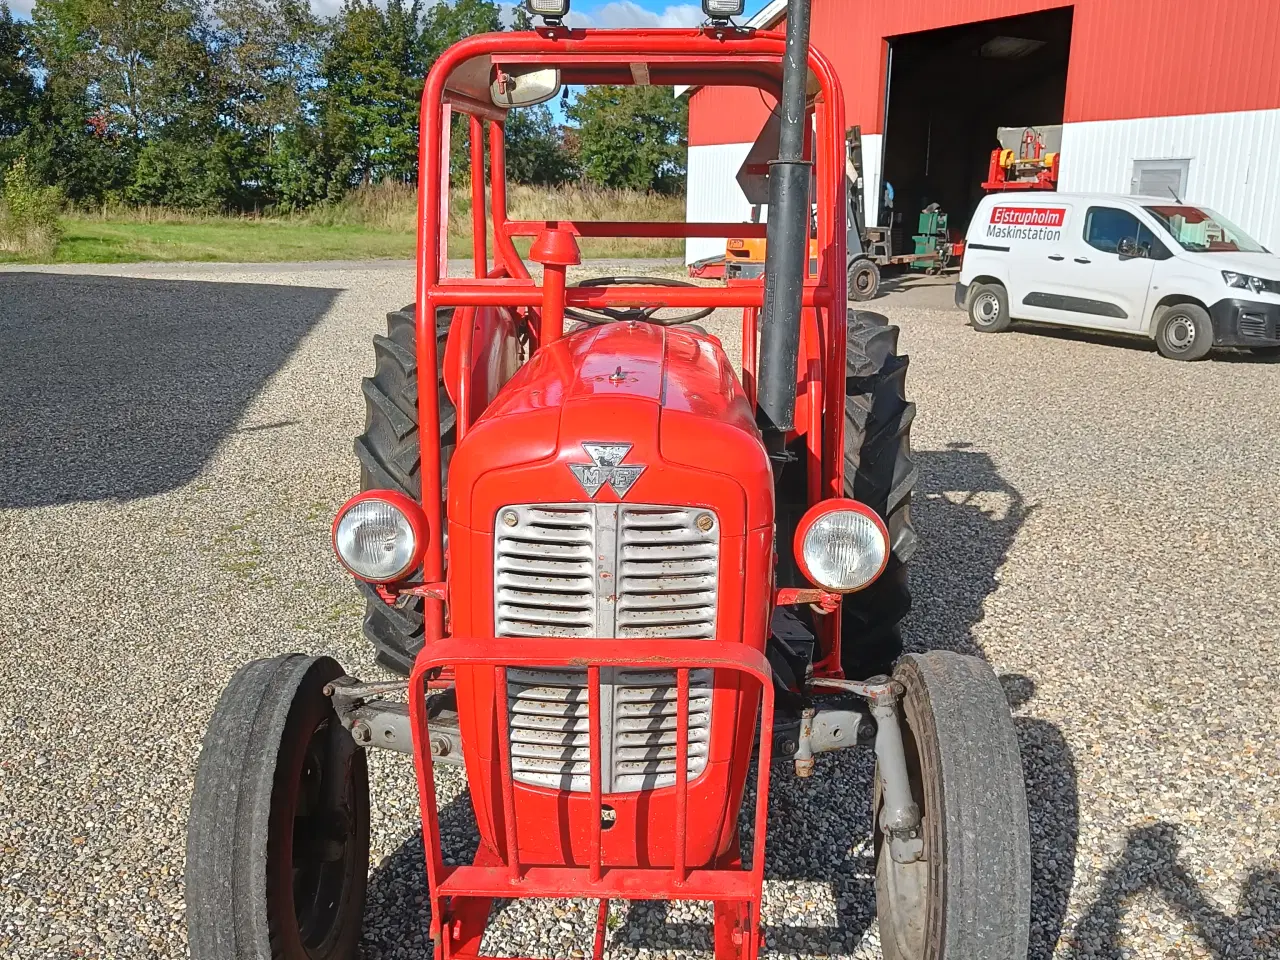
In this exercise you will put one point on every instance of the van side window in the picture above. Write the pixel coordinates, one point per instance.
(1149, 242)
(1105, 227)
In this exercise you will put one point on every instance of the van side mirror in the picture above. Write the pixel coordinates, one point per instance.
(1128, 249)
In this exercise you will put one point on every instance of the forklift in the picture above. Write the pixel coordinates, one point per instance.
(868, 249)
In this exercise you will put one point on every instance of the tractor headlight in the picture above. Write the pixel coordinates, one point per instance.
(1244, 281)
(379, 535)
(722, 9)
(549, 10)
(842, 545)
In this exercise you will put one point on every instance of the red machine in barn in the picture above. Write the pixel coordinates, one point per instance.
(615, 569)
(1027, 159)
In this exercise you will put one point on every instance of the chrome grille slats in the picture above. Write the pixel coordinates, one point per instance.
(667, 573)
(644, 727)
(605, 570)
(544, 574)
(550, 735)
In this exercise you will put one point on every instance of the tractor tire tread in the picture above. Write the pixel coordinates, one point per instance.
(390, 458)
(227, 894)
(978, 782)
(880, 472)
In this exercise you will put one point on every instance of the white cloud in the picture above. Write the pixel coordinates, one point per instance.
(627, 13)
(22, 8)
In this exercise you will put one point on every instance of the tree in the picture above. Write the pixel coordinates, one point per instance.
(141, 64)
(373, 70)
(446, 24)
(17, 86)
(632, 137)
(535, 148)
(268, 55)
(118, 74)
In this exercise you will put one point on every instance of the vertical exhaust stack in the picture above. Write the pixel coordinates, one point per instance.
(787, 237)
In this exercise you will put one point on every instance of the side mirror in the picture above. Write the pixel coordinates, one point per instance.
(1128, 249)
(524, 88)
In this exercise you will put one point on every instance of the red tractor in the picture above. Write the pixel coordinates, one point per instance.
(615, 570)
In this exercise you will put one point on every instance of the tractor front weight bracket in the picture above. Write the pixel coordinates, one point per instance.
(899, 813)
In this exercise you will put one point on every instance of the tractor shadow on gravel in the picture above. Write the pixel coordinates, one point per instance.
(968, 517)
(820, 898)
(120, 388)
(1150, 865)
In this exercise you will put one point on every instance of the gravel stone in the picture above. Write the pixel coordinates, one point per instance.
(1096, 521)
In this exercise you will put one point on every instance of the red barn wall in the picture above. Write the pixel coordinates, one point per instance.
(1140, 58)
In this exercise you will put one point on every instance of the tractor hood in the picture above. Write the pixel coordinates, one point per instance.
(623, 411)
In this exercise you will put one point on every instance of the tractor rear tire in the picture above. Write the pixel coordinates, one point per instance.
(970, 893)
(278, 838)
(390, 459)
(880, 472)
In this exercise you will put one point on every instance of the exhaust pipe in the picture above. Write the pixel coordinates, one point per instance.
(786, 237)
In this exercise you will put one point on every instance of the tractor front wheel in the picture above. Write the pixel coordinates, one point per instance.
(278, 839)
(390, 459)
(969, 894)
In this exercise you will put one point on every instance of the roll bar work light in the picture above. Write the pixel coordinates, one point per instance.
(553, 12)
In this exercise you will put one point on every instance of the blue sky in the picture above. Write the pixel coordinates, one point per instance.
(629, 13)
(613, 13)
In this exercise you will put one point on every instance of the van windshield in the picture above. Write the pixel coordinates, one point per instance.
(1203, 231)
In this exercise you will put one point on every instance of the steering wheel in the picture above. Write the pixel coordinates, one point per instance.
(598, 315)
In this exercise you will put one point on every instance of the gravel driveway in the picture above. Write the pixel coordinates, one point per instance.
(1096, 521)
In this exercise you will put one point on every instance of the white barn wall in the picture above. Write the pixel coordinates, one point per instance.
(712, 193)
(1233, 158)
(872, 146)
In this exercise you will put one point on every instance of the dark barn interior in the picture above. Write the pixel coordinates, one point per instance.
(949, 90)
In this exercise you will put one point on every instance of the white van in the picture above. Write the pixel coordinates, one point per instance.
(1175, 272)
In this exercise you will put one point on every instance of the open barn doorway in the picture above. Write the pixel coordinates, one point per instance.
(949, 90)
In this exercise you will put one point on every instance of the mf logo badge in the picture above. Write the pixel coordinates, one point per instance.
(606, 467)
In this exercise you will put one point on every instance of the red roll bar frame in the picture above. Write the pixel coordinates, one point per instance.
(708, 55)
(461, 895)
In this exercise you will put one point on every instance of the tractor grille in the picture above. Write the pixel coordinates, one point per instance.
(605, 570)
(666, 574)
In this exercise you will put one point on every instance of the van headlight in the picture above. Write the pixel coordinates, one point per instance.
(1245, 282)
(842, 545)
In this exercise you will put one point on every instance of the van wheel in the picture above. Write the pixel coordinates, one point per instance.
(989, 308)
(1184, 332)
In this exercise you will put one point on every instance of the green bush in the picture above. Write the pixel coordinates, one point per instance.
(28, 213)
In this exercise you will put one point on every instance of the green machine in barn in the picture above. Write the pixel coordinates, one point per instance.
(934, 247)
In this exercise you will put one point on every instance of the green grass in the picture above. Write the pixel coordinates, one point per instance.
(226, 239)
(371, 224)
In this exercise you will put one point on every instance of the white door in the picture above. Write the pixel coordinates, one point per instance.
(1032, 236)
(1101, 286)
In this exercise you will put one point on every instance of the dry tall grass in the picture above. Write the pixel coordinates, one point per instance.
(29, 213)
(393, 208)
